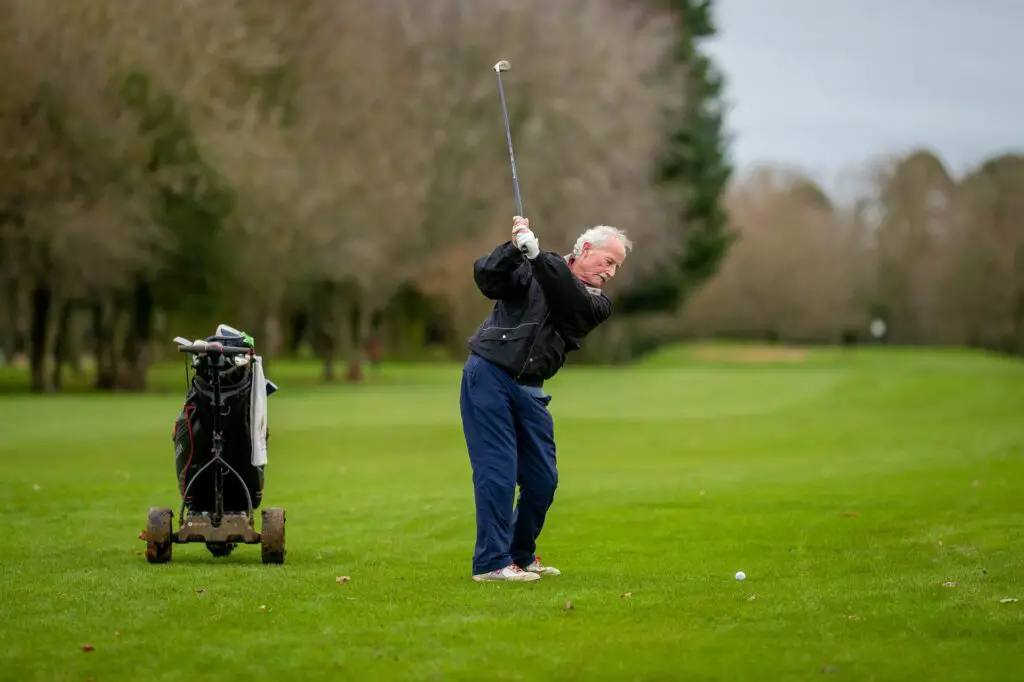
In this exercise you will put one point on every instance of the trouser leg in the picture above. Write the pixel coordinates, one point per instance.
(487, 420)
(538, 474)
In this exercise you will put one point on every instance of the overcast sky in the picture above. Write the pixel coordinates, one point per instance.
(827, 84)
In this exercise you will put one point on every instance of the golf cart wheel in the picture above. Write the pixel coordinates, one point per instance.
(272, 536)
(158, 535)
(220, 548)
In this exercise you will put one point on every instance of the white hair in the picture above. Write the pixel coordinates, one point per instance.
(598, 235)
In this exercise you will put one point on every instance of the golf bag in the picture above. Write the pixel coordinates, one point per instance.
(194, 430)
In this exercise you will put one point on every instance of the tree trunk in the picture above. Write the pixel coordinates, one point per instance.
(137, 339)
(62, 344)
(9, 325)
(274, 341)
(103, 318)
(42, 298)
(298, 325)
(322, 326)
(362, 316)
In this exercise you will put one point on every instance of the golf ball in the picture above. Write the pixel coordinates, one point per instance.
(740, 575)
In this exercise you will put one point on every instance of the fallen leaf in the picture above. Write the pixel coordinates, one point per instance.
(1008, 600)
(88, 647)
(752, 597)
(200, 590)
(342, 579)
(829, 669)
(627, 595)
(263, 607)
(949, 583)
(853, 514)
(569, 606)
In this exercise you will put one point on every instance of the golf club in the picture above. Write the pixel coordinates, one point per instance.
(498, 68)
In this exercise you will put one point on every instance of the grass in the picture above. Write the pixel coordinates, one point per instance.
(849, 486)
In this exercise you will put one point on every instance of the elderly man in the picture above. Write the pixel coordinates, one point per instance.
(545, 304)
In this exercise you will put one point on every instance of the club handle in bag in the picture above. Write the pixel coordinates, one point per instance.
(214, 349)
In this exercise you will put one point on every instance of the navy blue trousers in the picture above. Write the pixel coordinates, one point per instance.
(511, 440)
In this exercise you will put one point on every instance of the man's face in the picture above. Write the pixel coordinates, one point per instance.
(596, 265)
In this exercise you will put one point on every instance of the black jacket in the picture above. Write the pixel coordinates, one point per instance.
(542, 312)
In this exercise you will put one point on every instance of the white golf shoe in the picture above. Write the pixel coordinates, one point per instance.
(510, 573)
(542, 570)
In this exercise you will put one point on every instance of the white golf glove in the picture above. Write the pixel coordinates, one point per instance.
(526, 242)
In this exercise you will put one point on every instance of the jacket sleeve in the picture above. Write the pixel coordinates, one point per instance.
(578, 309)
(503, 273)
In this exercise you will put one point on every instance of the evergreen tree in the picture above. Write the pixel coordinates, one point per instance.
(694, 163)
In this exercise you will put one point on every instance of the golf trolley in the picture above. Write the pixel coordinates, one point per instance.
(219, 496)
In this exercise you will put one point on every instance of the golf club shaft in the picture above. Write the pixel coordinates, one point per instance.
(511, 153)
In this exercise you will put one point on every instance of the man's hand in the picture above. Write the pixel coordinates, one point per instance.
(523, 237)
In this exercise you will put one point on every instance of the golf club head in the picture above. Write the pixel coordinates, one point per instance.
(503, 65)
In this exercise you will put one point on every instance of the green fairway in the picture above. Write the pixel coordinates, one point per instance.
(873, 498)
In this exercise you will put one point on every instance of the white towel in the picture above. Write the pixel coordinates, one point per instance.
(258, 413)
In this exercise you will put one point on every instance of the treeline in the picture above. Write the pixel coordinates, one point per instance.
(322, 174)
(319, 173)
(939, 259)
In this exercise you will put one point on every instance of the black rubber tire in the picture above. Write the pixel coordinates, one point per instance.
(272, 536)
(158, 535)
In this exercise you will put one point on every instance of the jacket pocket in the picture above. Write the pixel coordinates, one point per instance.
(546, 356)
(503, 335)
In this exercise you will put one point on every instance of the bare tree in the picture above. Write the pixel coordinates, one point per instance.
(916, 195)
(400, 131)
(78, 222)
(983, 283)
(361, 163)
(792, 275)
(586, 95)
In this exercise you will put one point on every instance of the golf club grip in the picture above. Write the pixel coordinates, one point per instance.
(202, 349)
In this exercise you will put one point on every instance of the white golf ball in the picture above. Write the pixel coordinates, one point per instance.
(740, 575)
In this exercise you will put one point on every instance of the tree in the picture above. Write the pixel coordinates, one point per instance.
(403, 127)
(792, 276)
(915, 197)
(76, 199)
(243, 159)
(693, 167)
(982, 288)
